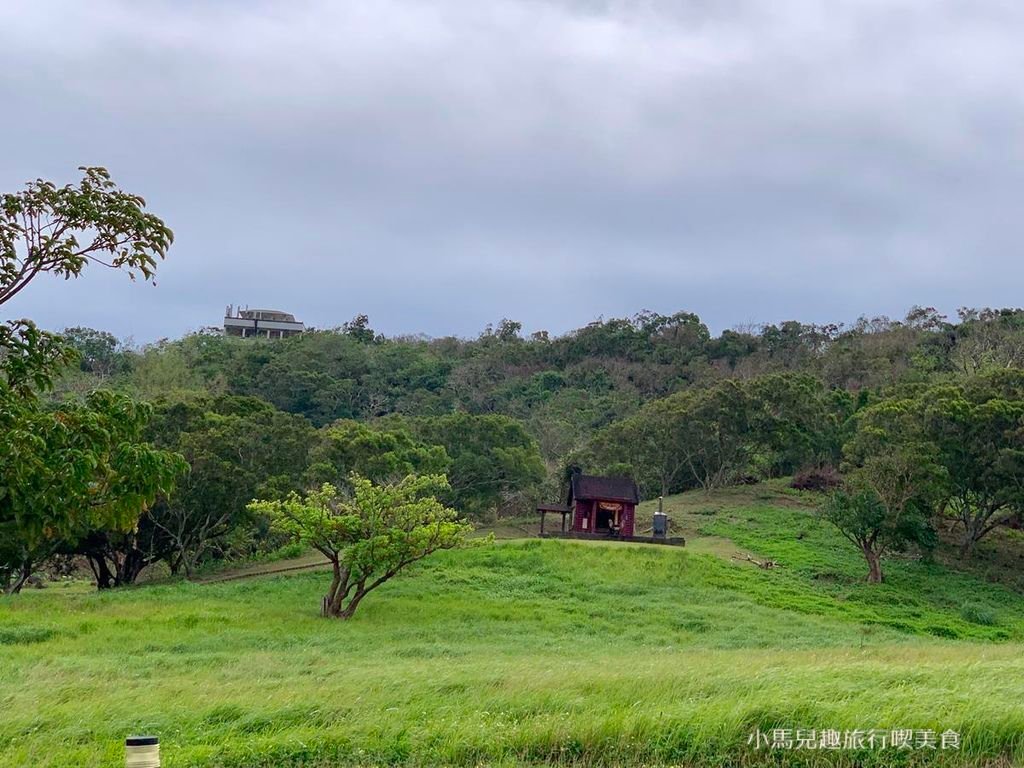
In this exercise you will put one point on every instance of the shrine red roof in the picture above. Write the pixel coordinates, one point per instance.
(591, 487)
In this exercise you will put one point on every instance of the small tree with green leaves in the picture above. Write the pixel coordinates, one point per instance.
(371, 535)
(875, 528)
(894, 482)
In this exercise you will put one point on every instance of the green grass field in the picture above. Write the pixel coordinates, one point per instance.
(531, 652)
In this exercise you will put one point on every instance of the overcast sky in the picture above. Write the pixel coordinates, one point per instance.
(441, 164)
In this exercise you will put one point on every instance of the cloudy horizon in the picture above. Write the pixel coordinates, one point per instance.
(439, 165)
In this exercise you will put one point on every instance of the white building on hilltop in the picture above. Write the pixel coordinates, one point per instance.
(268, 323)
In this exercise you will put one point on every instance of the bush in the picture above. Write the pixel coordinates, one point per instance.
(820, 479)
(978, 614)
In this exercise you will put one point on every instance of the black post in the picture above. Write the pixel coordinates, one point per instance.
(542, 514)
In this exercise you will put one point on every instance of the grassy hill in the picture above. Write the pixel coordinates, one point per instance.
(530, 651)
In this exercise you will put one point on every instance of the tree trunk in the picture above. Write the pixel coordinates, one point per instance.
(874, 566)
(189, 563)
(350, 609)
(331, 606)
(128, 570)
(967, 546)
(19, 581)
(974, 530)
(100, 569)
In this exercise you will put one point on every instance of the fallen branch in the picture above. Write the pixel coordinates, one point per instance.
(766, 565)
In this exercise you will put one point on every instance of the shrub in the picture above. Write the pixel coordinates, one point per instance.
(24, 635)
(820, 479)
(978, 614)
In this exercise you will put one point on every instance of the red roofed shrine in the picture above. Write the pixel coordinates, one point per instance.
(603, 506)
(599, 507)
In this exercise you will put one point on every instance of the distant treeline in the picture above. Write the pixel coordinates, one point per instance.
(505, 415)
(563, 389)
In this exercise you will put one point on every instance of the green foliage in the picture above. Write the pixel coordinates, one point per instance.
(874, 527)
(713, 436)
(30, 359)
(695, 437)
(977, 427)
(73, 470)
(895, 482)
(801, 382)
(378, 452)
(237, 448)
(47, 228)
(493, 459)
(978, 614)
(371, 536)
(99, 352)
(794, 422)
(82, 466)
(653, 395)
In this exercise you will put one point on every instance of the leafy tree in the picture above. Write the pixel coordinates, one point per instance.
(237, 448)
(99, 352)
(863, 518)
(67, 472)
(978, 428)
(492, 458)
(894, 483)
(370, 536)
(82, 466)
(376, 452)
(161, 370)
(46, 228)
(731, 347)
(795, 422)
(118, 557)
(988, 339)
(30, 360)
(359, 329)
(692, 438)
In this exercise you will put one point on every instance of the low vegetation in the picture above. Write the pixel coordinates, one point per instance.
(529, 652)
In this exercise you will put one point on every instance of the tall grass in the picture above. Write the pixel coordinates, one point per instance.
(521, 653)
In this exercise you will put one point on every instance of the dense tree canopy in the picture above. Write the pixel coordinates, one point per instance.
(654, 395)
(377, 452)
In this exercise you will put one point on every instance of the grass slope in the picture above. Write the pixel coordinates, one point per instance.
(529, 652)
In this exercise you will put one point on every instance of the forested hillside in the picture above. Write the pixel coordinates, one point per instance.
(504, 417)
(562, 389)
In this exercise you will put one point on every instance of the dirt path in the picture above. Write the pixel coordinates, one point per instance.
(315, 560)
(308, 562)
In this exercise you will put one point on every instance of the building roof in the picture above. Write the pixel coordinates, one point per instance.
(554, 508)
(589, 487)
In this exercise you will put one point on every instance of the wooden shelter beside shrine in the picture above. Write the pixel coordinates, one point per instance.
(595, 506)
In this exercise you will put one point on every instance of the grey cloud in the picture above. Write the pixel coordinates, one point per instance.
(441, 164)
